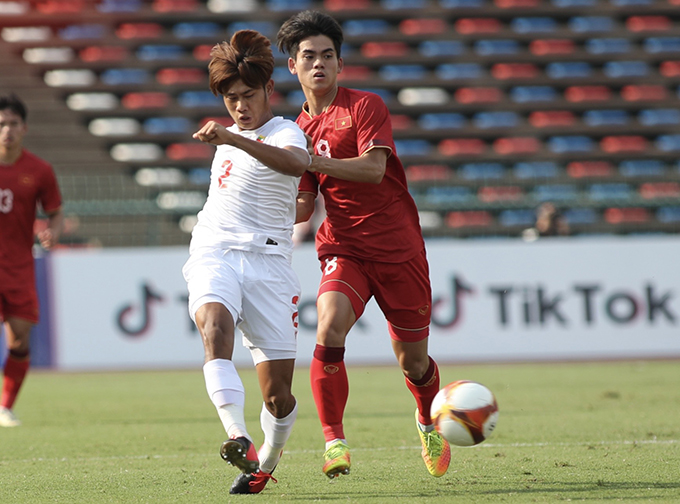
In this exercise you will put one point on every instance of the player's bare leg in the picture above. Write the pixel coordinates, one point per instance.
(17, 335)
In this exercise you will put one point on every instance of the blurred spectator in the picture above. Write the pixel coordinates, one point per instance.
(549, 222)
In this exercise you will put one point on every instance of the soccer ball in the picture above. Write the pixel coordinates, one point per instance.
(464, 413)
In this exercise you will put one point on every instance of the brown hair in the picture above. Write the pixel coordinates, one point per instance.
(247, 57)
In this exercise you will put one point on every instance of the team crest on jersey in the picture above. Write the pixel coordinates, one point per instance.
(323, 148)
(222, 180)
(343, 123)
(260, 138)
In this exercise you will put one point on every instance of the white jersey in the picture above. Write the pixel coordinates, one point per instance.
(250, 206)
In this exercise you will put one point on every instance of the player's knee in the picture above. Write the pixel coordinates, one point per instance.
(280, 404)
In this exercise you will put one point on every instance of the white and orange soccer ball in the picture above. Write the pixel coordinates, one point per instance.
(465, 413)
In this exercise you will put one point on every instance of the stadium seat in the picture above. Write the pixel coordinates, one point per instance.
(363, 27)
(590, 24)
(579, 94)
(88, 31)
(608, 46)
(496, 47)
(340, 5)
(514, 218)
(597, 118)
(469, 95)
(626, 215)
(670, 68)
(459, 71)
(189, 151)
(551, 118)
(668, 143)
(437, 48)
(114, 126)
(653, 190)
(125, 76)
(92, 101)
(470, 218)
(401, 122)
(128, 31)
(469, 26)
(583, 169)
(655, 45)
(60, 6)
(117, 6)
(642, 168)
(504, 71)
(175, 76)
(159, 177)
(412, 96)
(517, 145)
(535, 169)
(555, 46)
(668, 214)
(528, 94)
(181, 200)
(576, 216)
(534, 24)
(232, 6)
(174, 5)
(167, 125)
(649, 23)
(383, 49)
(490, 194)
(42, 55)
(516, 4)
(555, 192)
(197, 29)
(70, 78)
(569, 70)
(618, 191)
(481, 171)
(21, 34)
(145, 100)
(442, 120)
(191, 99)
(496, 119)
(658, 117)
(461, 146)
(93, 54)
(420, 26)
(402, 72)
(561, 144)
(160, 52)
(427, 173)
(136, 152)
(625, 69)
(448, 195)
(623, 143)
(412, 147)
(349, 73)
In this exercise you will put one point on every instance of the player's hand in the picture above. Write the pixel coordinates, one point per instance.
(213, 133)
(47, 238)
(310, 147)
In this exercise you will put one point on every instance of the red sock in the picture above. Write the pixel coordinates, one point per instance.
(424, 391)
(330, 388)
(15, 372)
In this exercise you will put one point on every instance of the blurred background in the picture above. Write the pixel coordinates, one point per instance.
(514, 119)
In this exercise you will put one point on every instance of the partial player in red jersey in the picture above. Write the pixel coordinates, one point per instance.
(369, 245)
(26, 181)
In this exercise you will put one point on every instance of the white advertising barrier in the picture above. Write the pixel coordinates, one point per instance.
(493, 300)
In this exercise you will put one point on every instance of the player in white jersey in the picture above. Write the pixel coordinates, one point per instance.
(239, 272)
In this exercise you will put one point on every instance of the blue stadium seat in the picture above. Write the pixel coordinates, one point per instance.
(446, 195)
(491, 47)
(642, 168)
(619, 69)
(587, 24)
(443, 120)
(495, 119)
(628, 3)
(581, 216)
(668, 143)
(462, 4)
(112, 6)
(657, 45)
(167, 125)
(361, 27)
(459, 71)
(512, 218)
(571, 143)
(479, 171)
(402, 72)
(616, 117)
(160, 52)
(191, 99)
(121, 76)
(435, 48)
(568, 70)
(288, 5)
(556, 192)
(266, 28)
(83, 32)
(668, 214)
(656, 117)
(574, 3)
(199, 176)
(533, 25)
(535, 169)
(608, 46)
(526, 94)
(188, 30)
(412, 147)
(618, 191)
(403, 4)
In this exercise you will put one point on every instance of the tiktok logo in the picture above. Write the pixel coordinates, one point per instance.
(148, 298)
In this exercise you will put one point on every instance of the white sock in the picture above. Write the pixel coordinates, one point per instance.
(332, 442)
(226, 392)
(276, 434)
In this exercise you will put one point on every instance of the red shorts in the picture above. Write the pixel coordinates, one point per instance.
(402, 291)
(19, 303)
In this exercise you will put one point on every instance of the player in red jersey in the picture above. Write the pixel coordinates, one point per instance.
(369, 245)
(25, 182)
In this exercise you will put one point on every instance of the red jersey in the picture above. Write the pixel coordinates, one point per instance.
(23, 185)
(376, 222)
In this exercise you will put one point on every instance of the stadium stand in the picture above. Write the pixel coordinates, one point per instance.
(498, 105)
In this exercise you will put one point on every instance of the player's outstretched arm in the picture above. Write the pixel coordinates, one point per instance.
(287, 160)
(369, 167)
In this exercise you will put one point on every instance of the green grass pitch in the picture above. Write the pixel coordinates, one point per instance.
(579, 432)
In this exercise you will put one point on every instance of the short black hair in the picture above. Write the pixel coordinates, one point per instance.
(308, 24)
(13, 103)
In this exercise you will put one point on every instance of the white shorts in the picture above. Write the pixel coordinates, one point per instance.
(261, 291)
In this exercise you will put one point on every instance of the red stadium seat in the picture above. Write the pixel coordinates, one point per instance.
(649, 23)
(624, 215)
(504, 71)
(341, 5)
(145, 100)
(174, 5)
(478, 95)
(471, 218)
(139, 30)
(103, 53)
(172, 76)
(670, 68)
(384, 49)
(60, 6)
(423, 26)
(461, 146)
(489, 194)
(554, 46)
(623, 143)
(517, 145)
(644, 92)
(202, 52)
(587, 93)
(582, 169)
(401, 121)
(418, 173)
(652, 190)
(468, 26)
(512, 4)
(550, 118)
(224, 121)
(355, 72)
(197, 150)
